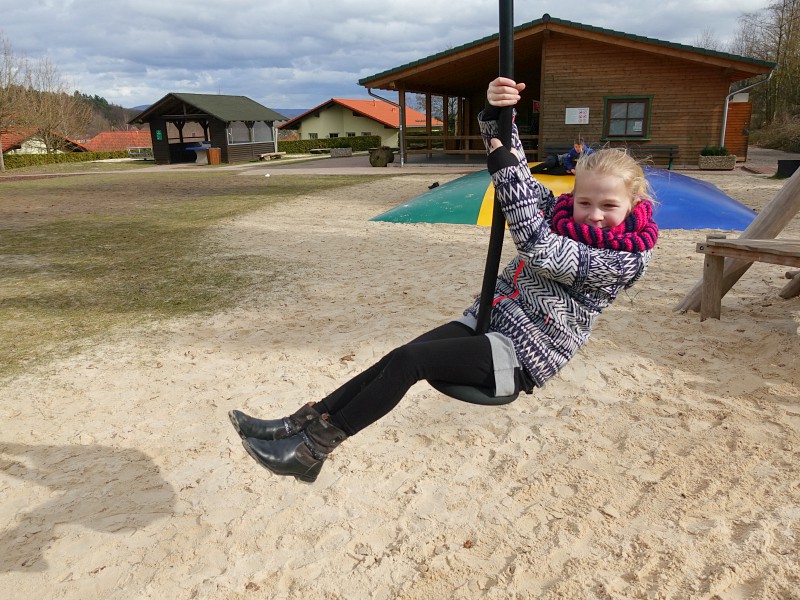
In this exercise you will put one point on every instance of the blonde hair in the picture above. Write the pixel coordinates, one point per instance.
(613, 161)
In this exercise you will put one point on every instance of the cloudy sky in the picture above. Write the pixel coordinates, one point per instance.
(298, 53)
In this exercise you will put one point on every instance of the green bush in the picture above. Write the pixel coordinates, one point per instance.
(783, 135)
(714, 151)
(17, 161)
(358, 143)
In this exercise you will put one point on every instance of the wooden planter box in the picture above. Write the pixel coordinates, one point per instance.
(717, 163)
(340, 152)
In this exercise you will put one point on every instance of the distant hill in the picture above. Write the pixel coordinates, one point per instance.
(140, 108)
(291, 113)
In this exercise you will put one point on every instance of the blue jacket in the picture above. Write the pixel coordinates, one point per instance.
(570, 159)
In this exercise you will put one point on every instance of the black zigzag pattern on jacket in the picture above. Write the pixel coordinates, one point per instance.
(549, 295)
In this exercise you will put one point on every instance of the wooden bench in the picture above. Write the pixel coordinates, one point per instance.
(320, 151)
(716, 248)
(271, 155)
(653, 152)
(664, 153)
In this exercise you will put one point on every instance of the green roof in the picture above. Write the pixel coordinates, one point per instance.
(548, 19)
(224, 108)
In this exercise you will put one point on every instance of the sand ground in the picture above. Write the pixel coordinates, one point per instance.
(662, 463)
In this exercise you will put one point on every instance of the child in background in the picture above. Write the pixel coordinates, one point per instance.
(563, 164)
(574, 255)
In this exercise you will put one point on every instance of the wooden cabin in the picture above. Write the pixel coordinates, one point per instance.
(240, 128)
(606, 87)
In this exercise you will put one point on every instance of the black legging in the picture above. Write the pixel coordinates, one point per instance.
(450, 353)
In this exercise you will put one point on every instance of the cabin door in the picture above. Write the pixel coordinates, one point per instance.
(737, 129)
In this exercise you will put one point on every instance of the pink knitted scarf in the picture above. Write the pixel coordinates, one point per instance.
(637, 233)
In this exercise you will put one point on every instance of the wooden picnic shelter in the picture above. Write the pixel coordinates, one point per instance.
(220, 128)
(657, 98)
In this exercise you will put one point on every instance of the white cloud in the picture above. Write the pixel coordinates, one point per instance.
(300, 52)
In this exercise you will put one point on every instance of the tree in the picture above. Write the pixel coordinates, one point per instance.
(13, 72)
(772, 34)
(33, 95)
(437, 109)
(56, 113)
(708, 40)
(106, 115)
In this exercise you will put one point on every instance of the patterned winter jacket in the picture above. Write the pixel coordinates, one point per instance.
(548, 297)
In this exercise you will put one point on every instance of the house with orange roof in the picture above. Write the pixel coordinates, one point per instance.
(29, 141)
(341, 117)
(114, 141)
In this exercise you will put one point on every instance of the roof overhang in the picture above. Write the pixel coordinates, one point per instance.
(455, 72)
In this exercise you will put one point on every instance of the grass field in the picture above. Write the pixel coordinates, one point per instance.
(84, 255)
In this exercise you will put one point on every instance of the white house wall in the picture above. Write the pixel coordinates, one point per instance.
(32, 146)
(340, 120)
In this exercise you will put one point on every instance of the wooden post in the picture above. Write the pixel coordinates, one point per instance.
(711, 300)
(404, 141)
(711, 295)
(767, 225)
(791, 289)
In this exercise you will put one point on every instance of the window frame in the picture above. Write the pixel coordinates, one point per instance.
(608, 101)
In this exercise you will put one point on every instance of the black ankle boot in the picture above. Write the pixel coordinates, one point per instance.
(274, 429)
(300, 455)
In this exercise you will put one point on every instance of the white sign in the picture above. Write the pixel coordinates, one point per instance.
(577, 116)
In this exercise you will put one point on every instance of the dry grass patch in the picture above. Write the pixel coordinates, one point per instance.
(86, 255)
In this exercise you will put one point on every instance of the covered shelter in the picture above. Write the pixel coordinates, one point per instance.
(239, 127)
(606, 87)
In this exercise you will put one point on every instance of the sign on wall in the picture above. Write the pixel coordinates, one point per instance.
(576, 116)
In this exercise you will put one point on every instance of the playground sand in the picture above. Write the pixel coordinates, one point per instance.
(663, 461)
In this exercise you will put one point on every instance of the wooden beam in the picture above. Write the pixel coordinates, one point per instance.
(767, 225)
(716, 248)
(186, 117)
(791, 289)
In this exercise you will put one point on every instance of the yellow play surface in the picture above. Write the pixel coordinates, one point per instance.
(558, 184)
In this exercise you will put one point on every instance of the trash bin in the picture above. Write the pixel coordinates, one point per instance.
(214, 156)
(786, 168)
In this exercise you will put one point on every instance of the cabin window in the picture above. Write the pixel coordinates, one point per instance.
(366, 133)
(333, 135)
(313, 136)
(627, 118)
(351, 134)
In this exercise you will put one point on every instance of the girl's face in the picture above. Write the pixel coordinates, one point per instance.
(601, 200)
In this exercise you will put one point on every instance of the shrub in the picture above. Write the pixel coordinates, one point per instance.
(714, 151)
(17, 161)
(780, 135)
(358, 143)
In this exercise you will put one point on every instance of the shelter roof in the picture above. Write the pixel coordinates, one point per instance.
(110, 141)
(377, 110)
(198, 106)
(456, 70)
